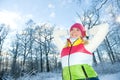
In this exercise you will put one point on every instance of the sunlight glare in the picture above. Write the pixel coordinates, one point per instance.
(9, 18)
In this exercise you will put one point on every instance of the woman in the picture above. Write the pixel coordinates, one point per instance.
(77, 54)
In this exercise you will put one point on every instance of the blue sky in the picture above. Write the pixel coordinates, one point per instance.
(59, 12)
(16, 12)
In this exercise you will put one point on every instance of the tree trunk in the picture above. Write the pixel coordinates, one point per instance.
(99, 55)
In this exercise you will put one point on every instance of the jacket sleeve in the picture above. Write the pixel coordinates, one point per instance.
(57, 38)
(99, 32)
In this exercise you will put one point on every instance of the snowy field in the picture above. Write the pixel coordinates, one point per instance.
(107, 71)
(115, 76)
(43, 76)
(57, 76)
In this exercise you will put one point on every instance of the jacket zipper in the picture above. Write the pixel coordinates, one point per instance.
(69, 63)
(85, 72)
(69, 59)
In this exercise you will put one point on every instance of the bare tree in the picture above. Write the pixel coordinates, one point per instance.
(47, 40)
(91, 16)
(15, 67)
(24, 42)
(100, 59)
(38, 40)
(30, 40)
(3, 34)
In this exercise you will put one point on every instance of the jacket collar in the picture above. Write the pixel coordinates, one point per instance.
(74, 43)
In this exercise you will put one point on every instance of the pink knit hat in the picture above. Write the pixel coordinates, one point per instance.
(80, 27)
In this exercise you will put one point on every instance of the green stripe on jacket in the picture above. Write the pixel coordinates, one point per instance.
(77, 72)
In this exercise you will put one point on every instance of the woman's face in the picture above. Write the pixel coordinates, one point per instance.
(75, 33)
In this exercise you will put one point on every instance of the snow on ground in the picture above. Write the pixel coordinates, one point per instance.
(43, 76)
(57, 76)
(115, 76)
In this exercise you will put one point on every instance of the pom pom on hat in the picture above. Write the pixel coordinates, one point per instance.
(80, 27)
